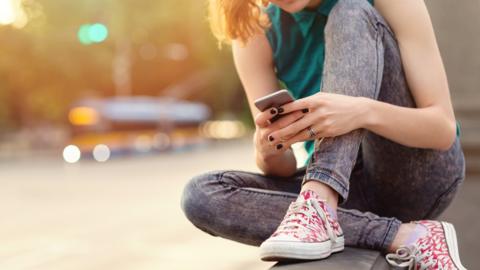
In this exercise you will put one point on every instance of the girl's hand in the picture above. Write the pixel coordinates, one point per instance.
(326, 114)
(264, 127)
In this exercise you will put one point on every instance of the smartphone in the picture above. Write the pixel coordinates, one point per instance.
(275, 99)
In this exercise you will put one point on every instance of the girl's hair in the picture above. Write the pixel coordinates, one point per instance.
(237, 19)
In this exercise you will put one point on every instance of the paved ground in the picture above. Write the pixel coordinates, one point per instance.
(125, 215)
(120, 215)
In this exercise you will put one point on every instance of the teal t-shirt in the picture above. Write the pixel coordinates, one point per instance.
(298, 46)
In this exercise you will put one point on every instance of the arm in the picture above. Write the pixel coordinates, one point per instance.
(430, 125)
(426, 77)
(254, 64)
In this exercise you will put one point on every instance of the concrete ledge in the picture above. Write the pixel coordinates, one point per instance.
(350, 258)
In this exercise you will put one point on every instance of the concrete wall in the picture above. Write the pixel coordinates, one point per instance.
(457, 26)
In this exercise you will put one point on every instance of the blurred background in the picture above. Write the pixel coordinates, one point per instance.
(107, 108)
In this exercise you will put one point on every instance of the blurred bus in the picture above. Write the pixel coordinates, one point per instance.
(124, 125)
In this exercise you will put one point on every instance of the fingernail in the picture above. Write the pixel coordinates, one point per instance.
(280, 110)
(273, 111)
(305, 110)
(279, 146)
(270, 138)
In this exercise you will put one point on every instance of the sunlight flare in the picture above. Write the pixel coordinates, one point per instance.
(7, 12)
(11, 12)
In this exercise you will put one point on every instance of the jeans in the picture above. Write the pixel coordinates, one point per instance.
(380, 183)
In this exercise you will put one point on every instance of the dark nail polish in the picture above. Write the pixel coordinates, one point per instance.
(273, 111)
(270, 138)
(280, 110)
(275, 118)
(279, 146)
(305, 110)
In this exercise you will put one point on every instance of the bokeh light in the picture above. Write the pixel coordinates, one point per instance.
(176, 52)
(224, 129)
(101, 153)
(83, 116)
(71, 154)
(92, 33)
(143, 143)
(161, 141)
(7, 12)
(98, 32)
(12, 13)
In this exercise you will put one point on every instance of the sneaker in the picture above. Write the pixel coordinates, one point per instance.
(437, 250)
(307, 232)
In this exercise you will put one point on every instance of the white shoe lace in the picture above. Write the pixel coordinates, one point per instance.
(411, 257)
(298, 208)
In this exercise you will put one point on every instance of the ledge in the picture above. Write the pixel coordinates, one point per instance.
(350, 258)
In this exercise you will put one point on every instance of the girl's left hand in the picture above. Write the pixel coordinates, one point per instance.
(329, 115)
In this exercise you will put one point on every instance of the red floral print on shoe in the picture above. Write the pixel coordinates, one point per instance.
(437, 250)
(338, 244)
(307, 232)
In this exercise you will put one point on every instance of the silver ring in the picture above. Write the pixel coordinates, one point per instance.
(311, 132)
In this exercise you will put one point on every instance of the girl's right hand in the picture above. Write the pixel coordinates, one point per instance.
(263, 144)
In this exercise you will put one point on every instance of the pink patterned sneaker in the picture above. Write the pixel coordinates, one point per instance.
(437, 250)
(307, 232)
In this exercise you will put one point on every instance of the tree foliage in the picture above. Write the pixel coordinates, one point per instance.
(44, 68)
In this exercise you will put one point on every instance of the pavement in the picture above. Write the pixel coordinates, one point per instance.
(124, 214)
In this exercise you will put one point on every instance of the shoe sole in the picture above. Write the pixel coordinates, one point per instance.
(288, 251)
(451, 238)
(338, 245)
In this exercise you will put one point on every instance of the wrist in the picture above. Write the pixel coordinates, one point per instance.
(281, 164)
(368, 115)
(267, 157)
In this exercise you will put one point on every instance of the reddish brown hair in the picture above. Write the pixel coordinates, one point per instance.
(237, 19)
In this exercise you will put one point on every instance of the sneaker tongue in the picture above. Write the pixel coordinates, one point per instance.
(420, 231)
(306, 195)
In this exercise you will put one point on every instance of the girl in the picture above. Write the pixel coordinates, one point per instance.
(374, 109)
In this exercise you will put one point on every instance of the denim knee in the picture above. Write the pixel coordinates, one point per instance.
(194, 202)
(348, 16)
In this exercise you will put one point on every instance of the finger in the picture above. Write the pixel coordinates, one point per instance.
(283, 122)
(281, 147)
(302, 136)
(286, 120)
(274, 119)
(303, 105)
(299, 137)
(262, 119)
(291, 130)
